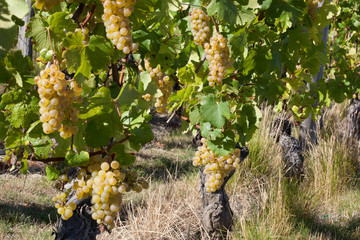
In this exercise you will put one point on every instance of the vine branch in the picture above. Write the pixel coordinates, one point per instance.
(88, 17)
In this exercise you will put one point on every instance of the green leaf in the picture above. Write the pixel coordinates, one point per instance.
(73, 159)
(194, 116)
(37, 29)
(125, 159)
(140, 136)
(223, 146)
(52, 173)
(17, 62)
(214, 112)
(84, 59)
(98, 132)
(226, 10)
(127, 95)
(24, 166)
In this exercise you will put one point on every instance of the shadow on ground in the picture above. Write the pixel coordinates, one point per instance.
(15, 213)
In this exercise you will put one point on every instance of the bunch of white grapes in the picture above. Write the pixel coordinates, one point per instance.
(218, 56)
(46, 5)
(56, 101)
(162, 81)
(117, 23)
(105, 181)
(216, 168)
(199, 23)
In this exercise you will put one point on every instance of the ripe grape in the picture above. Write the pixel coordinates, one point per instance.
(216, 167)
(200, 27)
(218, 56)
(117, 24)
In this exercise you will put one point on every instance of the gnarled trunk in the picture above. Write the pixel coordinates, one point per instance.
(217, 215)
(291, 148)
(80, 226)
(353, 120)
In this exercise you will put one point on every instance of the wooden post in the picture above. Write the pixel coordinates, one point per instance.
(24, 44)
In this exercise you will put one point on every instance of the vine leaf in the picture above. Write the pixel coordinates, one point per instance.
(52, 173)
(84, 59)
(214, 112)
(226, 10)
(124, 158)
(73, 159)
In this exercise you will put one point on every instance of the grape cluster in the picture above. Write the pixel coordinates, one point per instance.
(162, 81)
(216, 168)
(105, 183)
(218, 56)
(56, 101)
(47, 5)
(199, 26)
(117, 23)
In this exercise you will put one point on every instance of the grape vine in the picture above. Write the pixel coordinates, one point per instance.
(225, 59)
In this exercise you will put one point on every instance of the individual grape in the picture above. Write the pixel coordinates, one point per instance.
(117, 24)
(200, 27)
(216, 167)
(218, 56)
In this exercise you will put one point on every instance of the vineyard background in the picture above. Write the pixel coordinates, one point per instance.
(326, 205)
(106, 73)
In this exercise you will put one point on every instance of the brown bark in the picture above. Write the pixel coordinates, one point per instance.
(217, 217)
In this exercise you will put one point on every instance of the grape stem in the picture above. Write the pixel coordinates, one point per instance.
(216, 25)
(200, 64)
(51, 46)
(88, 17)
(60, 159)
(122, 72)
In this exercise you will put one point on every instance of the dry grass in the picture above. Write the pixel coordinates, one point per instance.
(324, 205)
(26, 210)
